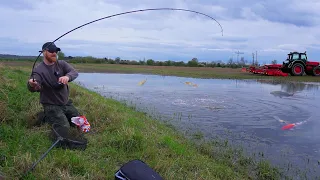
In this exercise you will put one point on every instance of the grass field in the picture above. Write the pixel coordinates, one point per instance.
(197, 72)
(119, 134)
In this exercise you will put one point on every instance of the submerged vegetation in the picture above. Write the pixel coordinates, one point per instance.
(118, 134)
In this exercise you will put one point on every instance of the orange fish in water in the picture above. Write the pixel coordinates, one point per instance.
(288, 126)
(292, 125)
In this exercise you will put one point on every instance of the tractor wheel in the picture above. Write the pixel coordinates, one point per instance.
(316, 71)
(297, 69)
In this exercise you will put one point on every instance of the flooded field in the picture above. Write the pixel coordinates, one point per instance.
(244, 112)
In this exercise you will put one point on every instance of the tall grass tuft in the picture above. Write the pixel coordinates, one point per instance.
(3, 111)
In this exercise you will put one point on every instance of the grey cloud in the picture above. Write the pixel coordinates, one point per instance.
(142, 4)
(231, 39)
(128, 50)
(315, 47)
(16, 4)
(161, 34)
(41, 21)
(282, 11)
(14, 46)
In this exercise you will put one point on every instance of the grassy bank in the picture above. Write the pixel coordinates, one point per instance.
(119, 134)
(196, 72)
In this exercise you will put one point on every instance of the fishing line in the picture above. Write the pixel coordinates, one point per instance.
(128, 12)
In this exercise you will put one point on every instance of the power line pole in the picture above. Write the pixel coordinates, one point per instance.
(257, 57)
(252, 59)
(238, 55)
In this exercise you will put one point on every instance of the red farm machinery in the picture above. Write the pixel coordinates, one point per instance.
(296, 64)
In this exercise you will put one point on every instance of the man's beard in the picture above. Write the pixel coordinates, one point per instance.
(51, 58)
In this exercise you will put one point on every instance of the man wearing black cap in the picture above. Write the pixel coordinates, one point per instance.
(51, 78)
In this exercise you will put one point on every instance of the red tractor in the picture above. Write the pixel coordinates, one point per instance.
(297, 64)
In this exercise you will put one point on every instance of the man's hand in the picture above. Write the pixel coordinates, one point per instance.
(64, 79)
(34, 84)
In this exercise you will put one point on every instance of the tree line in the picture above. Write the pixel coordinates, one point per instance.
(194, 62)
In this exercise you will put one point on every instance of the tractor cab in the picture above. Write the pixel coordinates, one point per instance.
(293, 56)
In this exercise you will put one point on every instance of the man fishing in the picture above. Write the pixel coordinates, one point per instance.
(50, 78)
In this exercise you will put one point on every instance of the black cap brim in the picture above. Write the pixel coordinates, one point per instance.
(57, 49)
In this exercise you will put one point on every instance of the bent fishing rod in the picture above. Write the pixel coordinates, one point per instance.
(128, 12)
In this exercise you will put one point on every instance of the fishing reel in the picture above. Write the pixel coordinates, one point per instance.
(58, 85)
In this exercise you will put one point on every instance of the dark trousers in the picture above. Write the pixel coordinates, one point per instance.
(56, 114)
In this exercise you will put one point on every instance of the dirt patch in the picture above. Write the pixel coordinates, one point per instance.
(16, 63)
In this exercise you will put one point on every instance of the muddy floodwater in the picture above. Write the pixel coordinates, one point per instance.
(250, 113)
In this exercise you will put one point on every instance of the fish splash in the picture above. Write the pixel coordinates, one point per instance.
(290, 126)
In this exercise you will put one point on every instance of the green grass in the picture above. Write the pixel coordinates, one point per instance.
(119, 134)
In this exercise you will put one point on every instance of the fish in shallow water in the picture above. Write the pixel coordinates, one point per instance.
(280, 120)
(191, 84)
(289, 126)
(292, 125)
(142, 82)
(281, 94)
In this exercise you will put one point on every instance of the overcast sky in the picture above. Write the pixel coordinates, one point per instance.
(272, 28)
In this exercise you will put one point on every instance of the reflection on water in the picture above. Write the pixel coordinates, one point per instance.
(242, 111)
(292, 87)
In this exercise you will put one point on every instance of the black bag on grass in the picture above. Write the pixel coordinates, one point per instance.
(136, 170)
